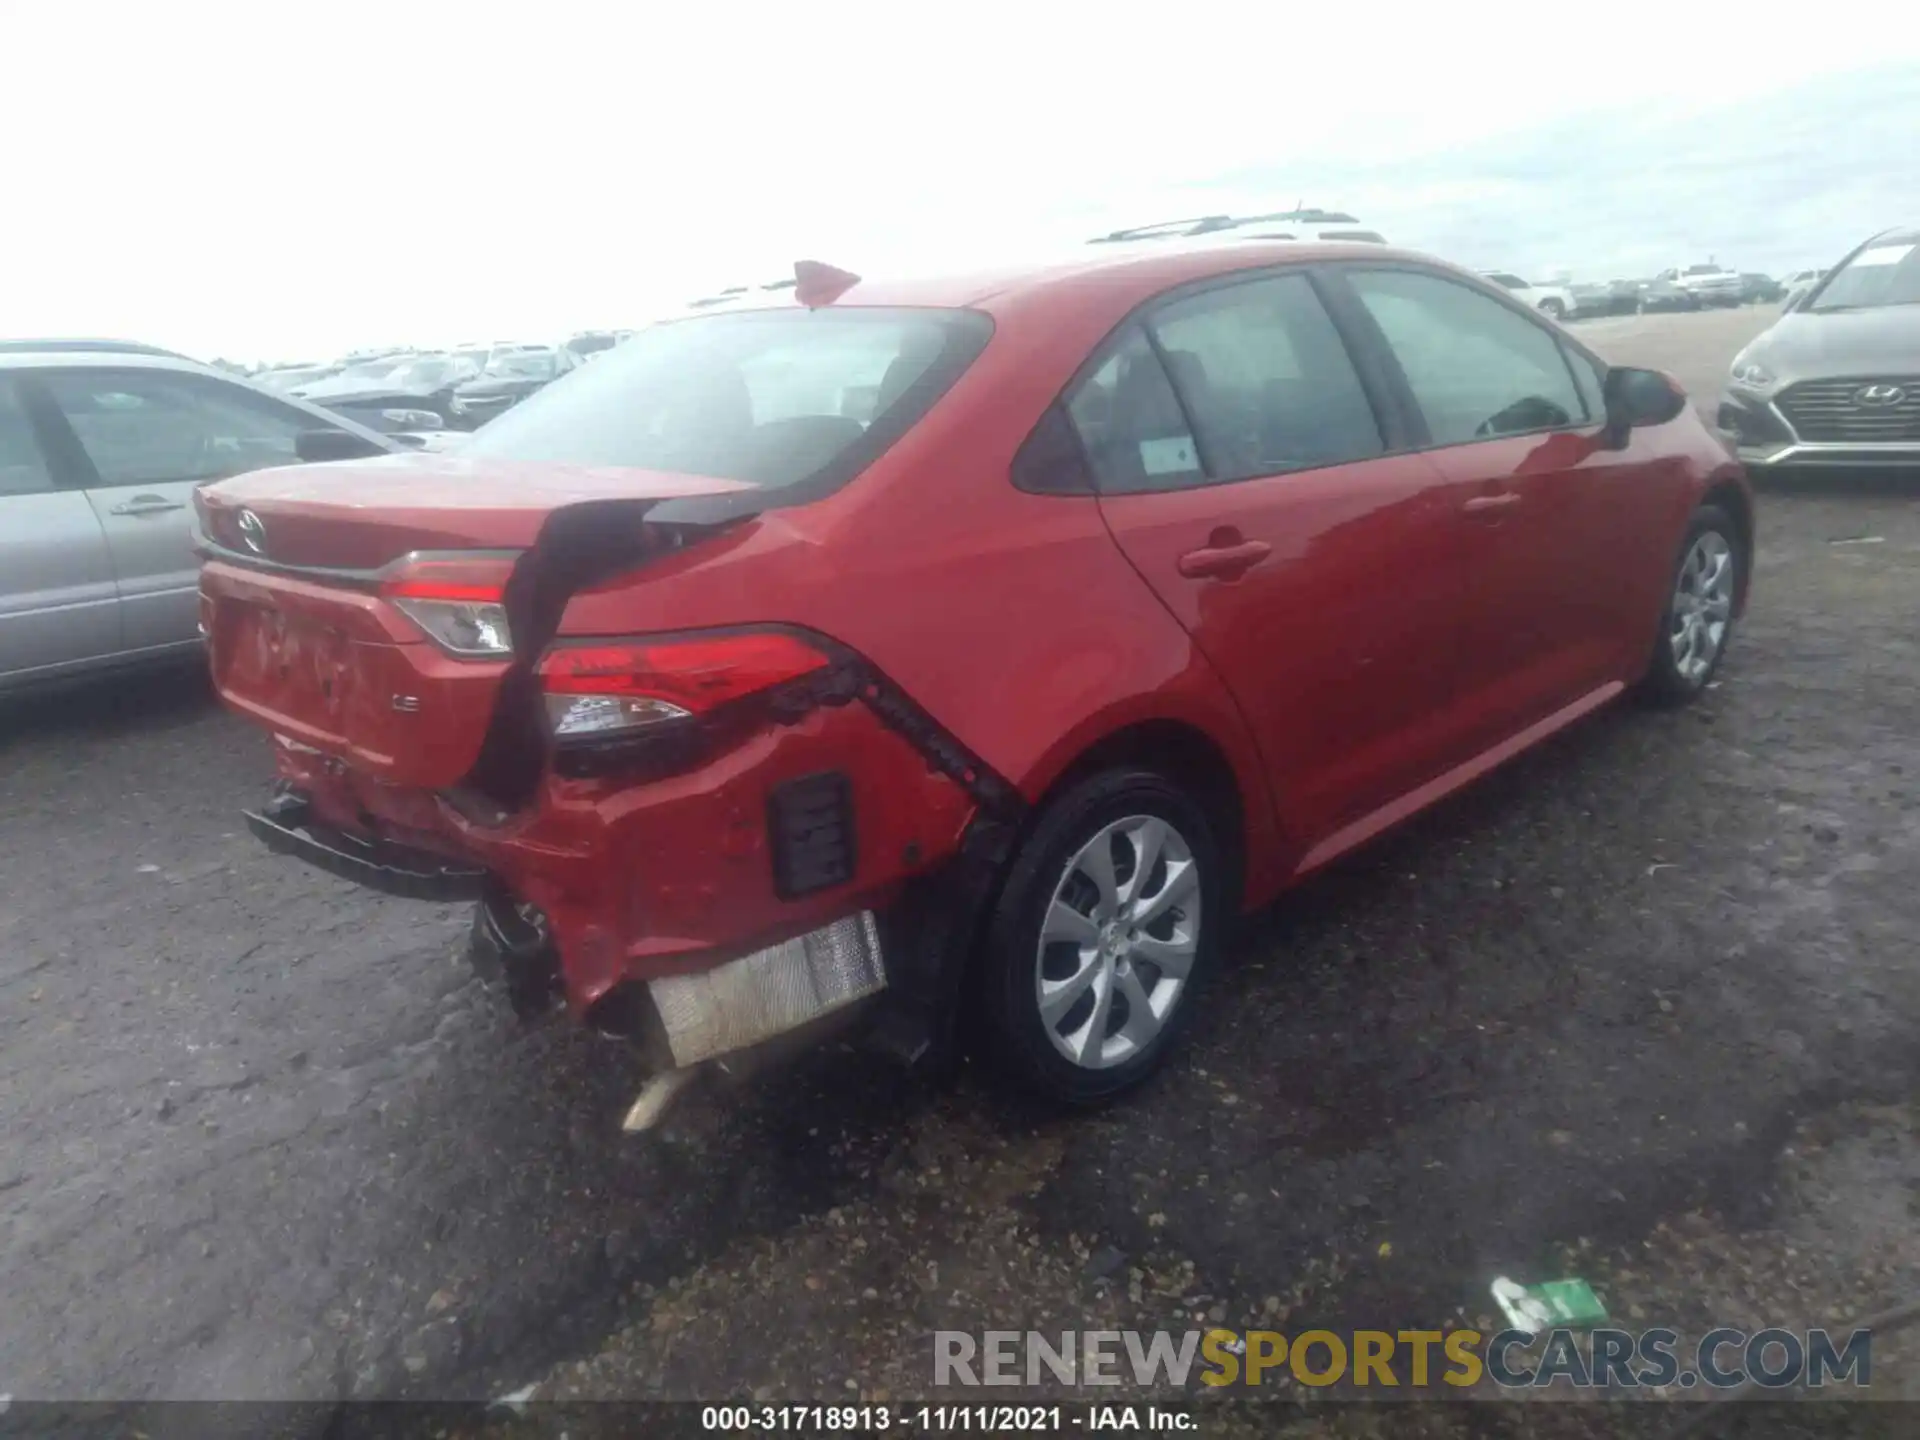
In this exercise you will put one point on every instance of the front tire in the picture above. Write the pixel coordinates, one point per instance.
(1108, 924)
(1553, 309)
(1698, 620)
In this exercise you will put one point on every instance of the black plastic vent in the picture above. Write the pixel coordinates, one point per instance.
(810, 825)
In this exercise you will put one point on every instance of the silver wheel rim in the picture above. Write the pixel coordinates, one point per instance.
(1702, 606)
(1118, 942)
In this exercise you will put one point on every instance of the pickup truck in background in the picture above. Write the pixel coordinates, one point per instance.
(1709, 284)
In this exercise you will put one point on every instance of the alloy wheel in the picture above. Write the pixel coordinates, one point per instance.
(1118, 942)
(1702, 606)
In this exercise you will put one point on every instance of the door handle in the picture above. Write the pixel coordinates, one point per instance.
(148, 505)
(1223, 562)
(1491, 504)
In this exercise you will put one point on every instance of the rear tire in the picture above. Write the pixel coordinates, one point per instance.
(1697, 622)
(1109, 922)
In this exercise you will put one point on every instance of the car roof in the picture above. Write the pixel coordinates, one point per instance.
(170, 364)
(72, 357)
(1145, 267)
(51, 346)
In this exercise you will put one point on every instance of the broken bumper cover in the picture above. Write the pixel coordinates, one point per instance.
(285, 827)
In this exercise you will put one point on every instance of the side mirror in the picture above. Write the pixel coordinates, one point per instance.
(313, 445)
(1635, 397)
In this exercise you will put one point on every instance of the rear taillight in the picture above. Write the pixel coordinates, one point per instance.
(606, 688)
(455, 599)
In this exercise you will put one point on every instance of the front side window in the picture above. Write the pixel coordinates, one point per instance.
(23, 469)
(1512, 282)
(775, 398)
(1887, 272)
(1477, 369)
(152, 427)
(1266, 379)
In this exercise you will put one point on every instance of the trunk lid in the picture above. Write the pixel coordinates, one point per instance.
(304, 641)
(363, 514)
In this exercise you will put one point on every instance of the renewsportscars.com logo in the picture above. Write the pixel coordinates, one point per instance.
(1410, 1359)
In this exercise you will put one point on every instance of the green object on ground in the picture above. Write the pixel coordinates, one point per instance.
(1554, 1304)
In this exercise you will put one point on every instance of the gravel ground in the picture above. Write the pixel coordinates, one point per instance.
(1643, 1006)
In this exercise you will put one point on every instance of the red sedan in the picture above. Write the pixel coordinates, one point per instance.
(971, 648)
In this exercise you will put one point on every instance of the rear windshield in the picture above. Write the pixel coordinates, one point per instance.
(774, 398)
(1887, 272)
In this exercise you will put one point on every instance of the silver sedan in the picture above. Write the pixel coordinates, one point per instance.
(100, 452)
(1836, 380)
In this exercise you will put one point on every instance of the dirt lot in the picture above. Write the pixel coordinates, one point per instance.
(1644, 1005)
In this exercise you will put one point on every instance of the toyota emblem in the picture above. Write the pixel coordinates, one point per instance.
(1879, 395)
(253, 534)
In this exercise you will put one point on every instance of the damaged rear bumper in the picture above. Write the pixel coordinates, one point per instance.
(286, 826)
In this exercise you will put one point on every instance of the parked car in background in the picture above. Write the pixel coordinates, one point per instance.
(1300, 223)
(415, 393)
(735, 710)
(1551, 300)
(288, 378)
(511, 374)
(1601, 297)
(1798, 284)
(1760, 289)
(1835, 381)
(1659, 296)
(589, 343)
(100, 452)
(1708, 284)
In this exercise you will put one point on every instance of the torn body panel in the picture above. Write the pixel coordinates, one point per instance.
(677, 875)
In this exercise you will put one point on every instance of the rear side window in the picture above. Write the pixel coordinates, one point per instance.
(1477, 369)
(23, 469)
(1266, 379)
(780, 398)
(1130, 421)
(152, 427)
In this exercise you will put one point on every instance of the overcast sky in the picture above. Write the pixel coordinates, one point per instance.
(282, 180)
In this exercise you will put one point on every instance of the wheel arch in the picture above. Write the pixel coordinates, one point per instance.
(1192, 758)
(1731, 495)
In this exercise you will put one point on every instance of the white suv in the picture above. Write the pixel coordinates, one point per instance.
(1554, 301)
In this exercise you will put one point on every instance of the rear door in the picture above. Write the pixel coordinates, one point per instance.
(58, 605)
(1247, 469)
(151, 436)
(1552, 522)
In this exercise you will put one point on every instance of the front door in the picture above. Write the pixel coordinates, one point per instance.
(1245, 471)
(151, 436)
(1513, 421)
(58, 605)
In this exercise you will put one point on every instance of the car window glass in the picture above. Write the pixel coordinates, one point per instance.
(1266, 379)
(23, 469)
(1886, 272)
(149, 428)
(1588, 377)
(1477, 369)
(773, 398)
(1130, 421)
